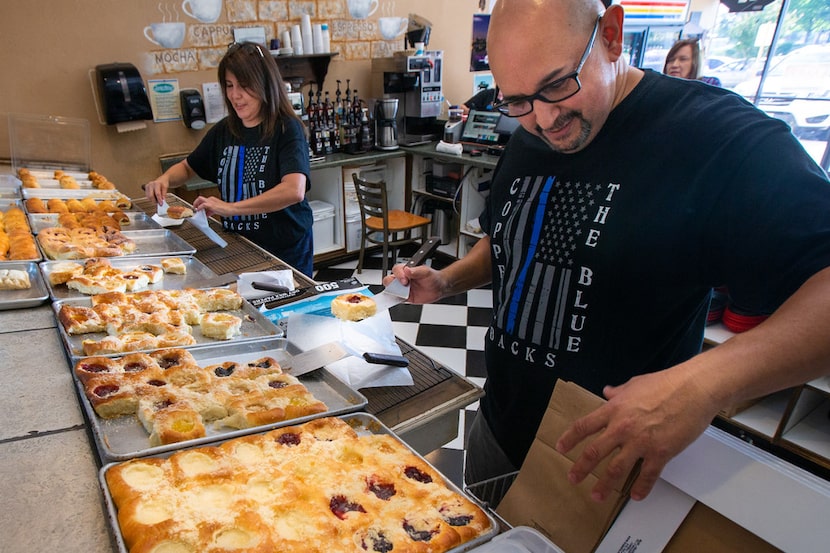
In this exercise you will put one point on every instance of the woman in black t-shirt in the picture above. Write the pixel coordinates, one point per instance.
(258, 156)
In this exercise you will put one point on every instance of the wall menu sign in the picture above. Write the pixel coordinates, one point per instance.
(655, 12)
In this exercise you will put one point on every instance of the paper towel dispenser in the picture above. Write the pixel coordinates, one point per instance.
(122, 92)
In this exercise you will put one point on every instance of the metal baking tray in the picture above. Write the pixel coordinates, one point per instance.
(66, 194)
(157, 242)
(196, 272)
(19, 299)
(138, 220)
(255, 327)
(363, 424)
(521, 539)
(125, 438)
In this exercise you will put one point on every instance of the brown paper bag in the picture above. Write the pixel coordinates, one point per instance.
(542, 497)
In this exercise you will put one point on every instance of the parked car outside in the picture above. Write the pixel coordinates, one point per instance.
(713, 62)
(797, 90)
(734, 72)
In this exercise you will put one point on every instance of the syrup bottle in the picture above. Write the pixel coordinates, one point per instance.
(365, 130)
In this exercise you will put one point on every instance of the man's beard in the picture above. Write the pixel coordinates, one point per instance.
(573, 144)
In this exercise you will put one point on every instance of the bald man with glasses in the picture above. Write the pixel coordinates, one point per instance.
(622, 200)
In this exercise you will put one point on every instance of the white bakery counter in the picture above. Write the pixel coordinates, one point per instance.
(49, 493)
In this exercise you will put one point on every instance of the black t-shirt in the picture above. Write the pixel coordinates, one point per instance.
(603, 260)
(246, 168)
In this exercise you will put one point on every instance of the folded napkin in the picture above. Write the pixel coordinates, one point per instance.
(161, 216)
(200, 221)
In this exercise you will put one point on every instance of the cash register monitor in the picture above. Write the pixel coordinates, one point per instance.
(480, 130)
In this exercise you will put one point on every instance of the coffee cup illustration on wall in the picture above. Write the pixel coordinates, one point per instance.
(167, 35)
(361, 9)
(206, 11)
(390, 27)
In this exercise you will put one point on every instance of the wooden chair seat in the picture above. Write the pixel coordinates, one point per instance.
(399, 221)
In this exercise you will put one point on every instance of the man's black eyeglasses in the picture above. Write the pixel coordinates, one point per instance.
(553, 92)
(233, 46)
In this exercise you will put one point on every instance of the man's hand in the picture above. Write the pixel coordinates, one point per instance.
(426, 285)
(652, 417)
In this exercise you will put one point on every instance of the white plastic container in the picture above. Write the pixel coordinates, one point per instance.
(326, 38)
(521, 539)
(317, 38)
(305, 31)
(323, 226)
(353, 235)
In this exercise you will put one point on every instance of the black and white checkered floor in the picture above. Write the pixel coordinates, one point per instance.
(451, 332)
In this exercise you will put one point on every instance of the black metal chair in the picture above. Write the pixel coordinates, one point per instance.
(377, 218)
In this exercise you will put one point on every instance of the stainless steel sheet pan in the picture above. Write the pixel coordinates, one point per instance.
(363, 424)
(157, 242)
(125, 438)
(196, 271)
(31, 297)
(137, 221)
(255, 326)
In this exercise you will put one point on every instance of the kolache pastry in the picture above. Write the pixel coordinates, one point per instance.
(173, 265)
(179, 212)
(14, 279)
(150, 319)
(311, 488)
(174, 398)
(353, 307)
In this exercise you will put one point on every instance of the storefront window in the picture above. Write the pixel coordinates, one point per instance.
(785, 73)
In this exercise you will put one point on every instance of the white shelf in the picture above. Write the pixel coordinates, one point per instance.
(822, 384)
(765, 416)
(717, 334)
(813, 431)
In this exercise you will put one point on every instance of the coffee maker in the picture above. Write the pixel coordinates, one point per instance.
(386, 124)
(414, 78)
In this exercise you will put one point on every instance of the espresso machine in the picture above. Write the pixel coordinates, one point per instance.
(386, 124)
(414, 78)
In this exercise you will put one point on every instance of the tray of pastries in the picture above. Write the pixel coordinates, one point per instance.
(99, 275)
(60, 243)
(66, 180)
(331, 484)
(118, 322)
(21, 285)
(46, 194)
(17, 243)
(85, 204)
(142, 404)
(116, 219)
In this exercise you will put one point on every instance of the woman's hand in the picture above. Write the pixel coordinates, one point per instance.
(156, 190)
(212, 205)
